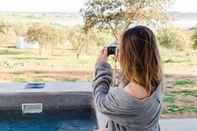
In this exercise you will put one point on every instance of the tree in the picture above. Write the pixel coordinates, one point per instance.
(47, 36)
(118, 15)
(86, 41)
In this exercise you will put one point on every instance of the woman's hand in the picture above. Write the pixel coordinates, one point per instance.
(102, 56)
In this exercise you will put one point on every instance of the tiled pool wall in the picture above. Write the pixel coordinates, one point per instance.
(50, 101)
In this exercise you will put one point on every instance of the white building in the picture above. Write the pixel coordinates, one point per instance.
(22, 43)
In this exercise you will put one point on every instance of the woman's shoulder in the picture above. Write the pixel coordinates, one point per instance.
(124, 97)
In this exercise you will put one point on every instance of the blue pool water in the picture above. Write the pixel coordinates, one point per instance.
(51, 121)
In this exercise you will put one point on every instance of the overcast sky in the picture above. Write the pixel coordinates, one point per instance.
(73, 5)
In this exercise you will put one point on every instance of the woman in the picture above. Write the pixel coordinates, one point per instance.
(136, 105)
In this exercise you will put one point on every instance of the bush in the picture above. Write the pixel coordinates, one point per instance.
(174, 38)
(194, 38)
(7, 34)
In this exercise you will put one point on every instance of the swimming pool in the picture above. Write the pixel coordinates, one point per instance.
(48, 121)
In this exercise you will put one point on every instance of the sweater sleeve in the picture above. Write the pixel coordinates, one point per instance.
(104, 100)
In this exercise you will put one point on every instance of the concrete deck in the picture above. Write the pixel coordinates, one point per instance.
(166, 125)
(179, 125)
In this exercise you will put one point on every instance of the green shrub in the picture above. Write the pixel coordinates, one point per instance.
(194, 38)
(174, 38)
(185, 82)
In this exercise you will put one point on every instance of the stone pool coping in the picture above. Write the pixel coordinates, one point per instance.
(51, 87)
(54, 96)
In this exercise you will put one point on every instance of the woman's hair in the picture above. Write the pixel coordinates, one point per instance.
(139, 58)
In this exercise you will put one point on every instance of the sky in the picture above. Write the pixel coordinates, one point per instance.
(74, 5)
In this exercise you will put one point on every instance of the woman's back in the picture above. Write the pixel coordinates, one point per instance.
(126, 112)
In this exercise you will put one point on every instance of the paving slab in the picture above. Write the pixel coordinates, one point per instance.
(179, 125)
(166, 124)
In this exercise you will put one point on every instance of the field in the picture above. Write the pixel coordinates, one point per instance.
(26, 65)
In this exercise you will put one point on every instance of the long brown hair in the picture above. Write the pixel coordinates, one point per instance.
(139, 58)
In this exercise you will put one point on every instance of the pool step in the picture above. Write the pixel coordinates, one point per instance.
(30, 108)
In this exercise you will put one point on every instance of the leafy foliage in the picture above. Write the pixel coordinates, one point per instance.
(119, 14)
(45, 34)
(87, 42)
